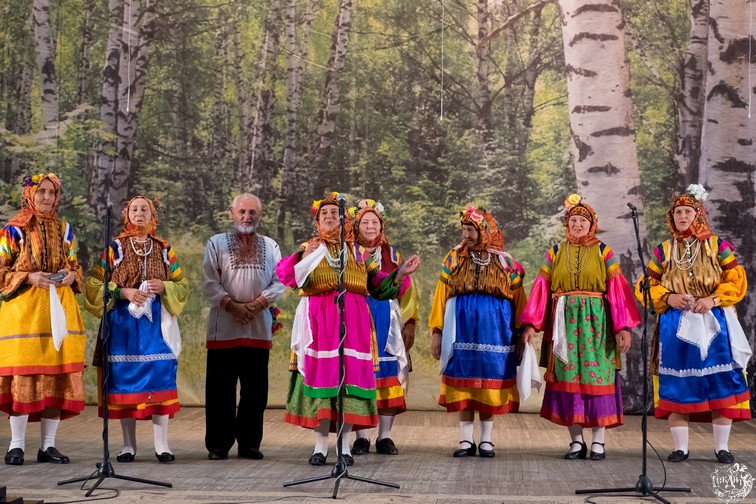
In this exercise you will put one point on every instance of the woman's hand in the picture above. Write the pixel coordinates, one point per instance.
(525, 337)
(409, 267)
(312, 246)
(624, 338)
(155, 286)
(39, 279)
(69, 278)
(703, 305)
(136, 296)
(681, 301)
(408, 335)
(436, 344)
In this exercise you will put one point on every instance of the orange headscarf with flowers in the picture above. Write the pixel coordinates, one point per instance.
(694, 197)
(489, 236)
(364, 207)
(575, 205)
(28, 210)
(150, 229)
(332, 235)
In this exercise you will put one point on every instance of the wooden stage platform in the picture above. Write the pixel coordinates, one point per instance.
(528, 467)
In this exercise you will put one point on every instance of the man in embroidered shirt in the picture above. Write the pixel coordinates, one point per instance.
(240, 282)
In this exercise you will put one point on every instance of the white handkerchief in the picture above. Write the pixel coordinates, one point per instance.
(698, 329)
(528, 374)
(57, 319)
(146, 308)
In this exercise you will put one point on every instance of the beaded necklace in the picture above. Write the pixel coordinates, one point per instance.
(333, 262)
(578, 265)
(144, 252)
(479, 260)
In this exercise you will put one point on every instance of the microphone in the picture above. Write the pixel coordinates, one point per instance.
(341, 197)
(109, 205)
(632, 207)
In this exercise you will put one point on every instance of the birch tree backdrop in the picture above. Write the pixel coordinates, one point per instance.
(425, 105)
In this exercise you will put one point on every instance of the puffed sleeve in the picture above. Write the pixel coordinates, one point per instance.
(654, 271)
(732, 289)
(93, 285)
(441, 295)
(10, 240)
(536, 312)
(619, 294)
(176, 293)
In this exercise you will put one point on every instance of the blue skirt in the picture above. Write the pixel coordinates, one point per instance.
(381, 312)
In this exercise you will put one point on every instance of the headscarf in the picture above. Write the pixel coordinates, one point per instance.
(575, 205)
(693, 197)
(489, 236)
(28, 210)
(333, 235)
(150, 229)
(364, 207)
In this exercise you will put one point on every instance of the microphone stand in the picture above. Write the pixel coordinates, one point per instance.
(643, 486)
(105, 468)
(339, 470)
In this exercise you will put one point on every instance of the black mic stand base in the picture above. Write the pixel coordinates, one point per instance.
(339, 471)
(105, 470)
(643, 487)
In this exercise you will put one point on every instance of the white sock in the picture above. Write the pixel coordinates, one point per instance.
(486, 429)
(362, 434)
(160, 433)
(18, 431)
(465, 432)
(321, 437)
(346, 431)
(721, 436)
(597, 436)
(48, 429)
(128, 427)
(576, 436)
(680, 437)
(385, 423)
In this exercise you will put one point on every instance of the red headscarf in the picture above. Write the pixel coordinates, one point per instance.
(694, 198)
(489, 235)
(29, 211)
(150, 229)
(332, 235)
(575, 205)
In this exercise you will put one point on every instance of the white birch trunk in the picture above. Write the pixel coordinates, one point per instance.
(690, 105)
(46, 62)
(605, 157)
(728, 152)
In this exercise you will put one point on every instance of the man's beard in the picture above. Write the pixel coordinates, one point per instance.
(245, 229)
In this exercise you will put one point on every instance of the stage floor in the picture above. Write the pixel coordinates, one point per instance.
(528, 467)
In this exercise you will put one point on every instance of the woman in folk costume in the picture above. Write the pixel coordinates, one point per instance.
(42, 336)
(699, 351)
(474, 321)
(394, 328)
(148, 291)
(586, 309)
(314, 385)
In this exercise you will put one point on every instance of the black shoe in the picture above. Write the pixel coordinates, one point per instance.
(349, 460)
(318, 459)
(597, 455)
(250, 453)
(725, 457)
(217, 454)
(361, 446)
(579, 454)
(125, 457)
(165, 457)
(14, 457)
(677, 456)
(52, 455)
(466, 452)
(486, 453)
(386, 446)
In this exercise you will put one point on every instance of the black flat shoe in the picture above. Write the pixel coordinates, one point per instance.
(14, 457)
(317, 459)
(677, 456)
(250, 453)
(386, 446)
(486, 453)
(217, 454)
(597, 455)
(725, 457)
(361, 446)
(52, 455)
(125, 457)
(466, 452)
(579, 454)
(349, 460)
(165, 457)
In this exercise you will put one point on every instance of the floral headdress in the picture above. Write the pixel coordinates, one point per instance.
(693, 197)
(491, 237)
(149, 229)
(333, 235)
(575, 205)
(28, 211)
(363, 207)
